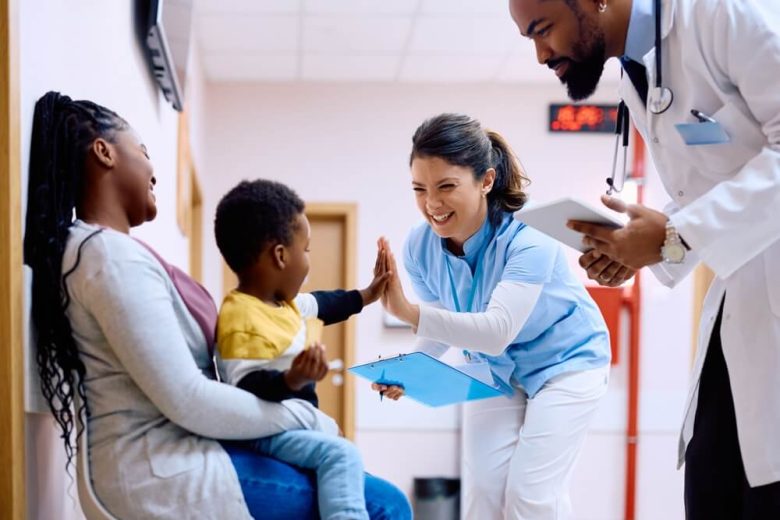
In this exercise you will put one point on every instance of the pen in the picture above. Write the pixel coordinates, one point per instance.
(702, 117)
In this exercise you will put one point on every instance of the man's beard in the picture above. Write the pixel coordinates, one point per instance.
(583, 75)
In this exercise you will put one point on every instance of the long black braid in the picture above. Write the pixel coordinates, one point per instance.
(63, 131)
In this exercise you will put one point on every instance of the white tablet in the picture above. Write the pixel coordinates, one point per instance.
(551, 217)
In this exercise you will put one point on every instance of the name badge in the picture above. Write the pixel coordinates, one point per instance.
(708, 132)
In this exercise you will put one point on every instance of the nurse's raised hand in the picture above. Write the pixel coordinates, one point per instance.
(376, 288)
(394, 300)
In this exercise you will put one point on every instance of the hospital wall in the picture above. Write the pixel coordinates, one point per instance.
(350, 143)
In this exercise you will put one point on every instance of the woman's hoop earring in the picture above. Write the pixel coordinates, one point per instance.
(602, 7)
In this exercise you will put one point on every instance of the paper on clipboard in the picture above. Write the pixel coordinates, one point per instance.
(427, 380)
(551, 217)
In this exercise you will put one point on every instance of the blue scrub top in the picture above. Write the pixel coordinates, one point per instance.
(565, 331)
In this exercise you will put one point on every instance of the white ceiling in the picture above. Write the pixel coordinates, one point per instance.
(365, 40)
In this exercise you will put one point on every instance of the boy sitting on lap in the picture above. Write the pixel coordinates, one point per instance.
(263, 235)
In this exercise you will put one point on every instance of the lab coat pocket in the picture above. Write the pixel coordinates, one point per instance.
(772, 267)
(745, 141)
(171, 454)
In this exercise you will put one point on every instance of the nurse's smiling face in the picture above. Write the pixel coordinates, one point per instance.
(450, 198)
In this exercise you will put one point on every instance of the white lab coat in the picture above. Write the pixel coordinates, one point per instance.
(722, 57)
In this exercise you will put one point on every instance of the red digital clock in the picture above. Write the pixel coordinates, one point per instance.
(583, 118)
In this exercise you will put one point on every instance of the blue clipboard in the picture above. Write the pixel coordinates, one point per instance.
(426, 380)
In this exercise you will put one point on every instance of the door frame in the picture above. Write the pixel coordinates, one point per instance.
(12, 448)
(189, 198)
(348, 213)
(196, 227)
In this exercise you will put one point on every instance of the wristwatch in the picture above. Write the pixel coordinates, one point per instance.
(673, 250)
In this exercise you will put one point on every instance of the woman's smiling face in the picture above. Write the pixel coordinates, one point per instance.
(134, 175)
(449, 197)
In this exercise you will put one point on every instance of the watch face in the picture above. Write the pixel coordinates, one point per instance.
(673, 253)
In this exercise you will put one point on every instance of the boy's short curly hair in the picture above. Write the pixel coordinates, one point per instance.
(253, 215)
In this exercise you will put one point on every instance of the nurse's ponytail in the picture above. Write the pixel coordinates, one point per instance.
(507, 193)
(461, 141)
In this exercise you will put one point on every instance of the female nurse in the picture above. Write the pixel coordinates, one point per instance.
(502, 293)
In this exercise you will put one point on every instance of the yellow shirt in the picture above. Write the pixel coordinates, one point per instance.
(248, 328)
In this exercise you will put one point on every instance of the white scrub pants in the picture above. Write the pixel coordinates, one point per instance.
(518, 453)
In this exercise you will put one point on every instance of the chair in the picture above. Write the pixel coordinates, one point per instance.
(90, 504)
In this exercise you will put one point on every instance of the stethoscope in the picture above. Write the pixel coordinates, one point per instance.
(659, 99)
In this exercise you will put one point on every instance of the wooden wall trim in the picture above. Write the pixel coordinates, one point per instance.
(196, 227)
(347, 212)
(12, 460)
(702, 279)
(350, 276)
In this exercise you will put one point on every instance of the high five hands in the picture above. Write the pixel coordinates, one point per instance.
(395, 302)
(618, 254)
(382, 276)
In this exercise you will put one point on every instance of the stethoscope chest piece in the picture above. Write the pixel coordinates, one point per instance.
(659, 99)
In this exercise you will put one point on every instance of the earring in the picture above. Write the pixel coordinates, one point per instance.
(602, 7)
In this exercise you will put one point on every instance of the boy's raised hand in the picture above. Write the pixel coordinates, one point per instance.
(307, 367)
(381, 276)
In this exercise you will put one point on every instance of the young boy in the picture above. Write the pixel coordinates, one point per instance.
(263, 235)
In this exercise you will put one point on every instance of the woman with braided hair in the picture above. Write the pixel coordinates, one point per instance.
(134, 337)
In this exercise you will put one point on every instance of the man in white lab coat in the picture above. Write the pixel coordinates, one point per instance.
(721, 59)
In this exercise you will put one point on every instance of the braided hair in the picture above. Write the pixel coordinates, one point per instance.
(63, 131)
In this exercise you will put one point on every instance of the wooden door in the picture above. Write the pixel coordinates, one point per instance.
(332, 260)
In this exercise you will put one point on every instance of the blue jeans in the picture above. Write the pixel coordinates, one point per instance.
(335, 460)
(274, 490)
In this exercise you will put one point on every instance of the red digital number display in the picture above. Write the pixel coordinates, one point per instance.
(583, 118)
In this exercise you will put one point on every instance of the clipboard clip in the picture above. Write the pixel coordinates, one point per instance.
(399, 357)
